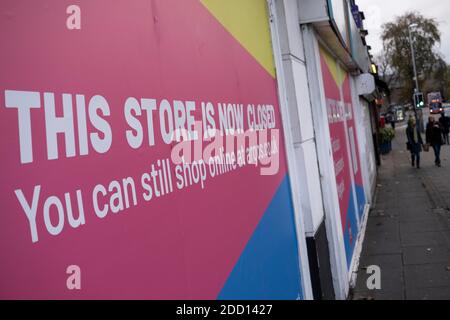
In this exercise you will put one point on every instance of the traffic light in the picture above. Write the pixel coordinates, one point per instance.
(419, 100)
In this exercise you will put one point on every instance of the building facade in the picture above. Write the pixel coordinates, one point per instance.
(324, 55)
(186, 149)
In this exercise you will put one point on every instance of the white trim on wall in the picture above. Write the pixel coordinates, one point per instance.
(327, 172)
(354, 265)
(362, 142)
(365, 142)
(290, 154)
(351, 270)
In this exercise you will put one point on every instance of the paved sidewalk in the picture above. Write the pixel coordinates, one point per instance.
(408, 231)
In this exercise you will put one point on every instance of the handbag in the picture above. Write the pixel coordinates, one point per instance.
(408, 146)
(426, 147)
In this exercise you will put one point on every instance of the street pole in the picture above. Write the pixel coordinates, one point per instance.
(419, 116)
(413, 58)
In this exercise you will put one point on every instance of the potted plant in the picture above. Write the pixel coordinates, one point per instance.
(387, 135)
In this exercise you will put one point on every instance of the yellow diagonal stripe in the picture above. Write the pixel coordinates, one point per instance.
(248, 22)
(336, 71)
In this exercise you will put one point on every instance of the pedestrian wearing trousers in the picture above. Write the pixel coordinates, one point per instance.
(445, 125)
(415, 141)
(434, 139)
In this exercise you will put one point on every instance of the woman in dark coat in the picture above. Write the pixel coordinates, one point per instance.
(415, 141)
(445, 125)
(434, 138)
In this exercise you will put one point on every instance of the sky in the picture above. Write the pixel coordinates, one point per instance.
(378, 12)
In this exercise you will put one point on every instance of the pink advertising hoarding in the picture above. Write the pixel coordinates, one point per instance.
(344, 143)
(98, 102)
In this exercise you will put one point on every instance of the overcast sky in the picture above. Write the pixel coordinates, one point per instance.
(378, 12)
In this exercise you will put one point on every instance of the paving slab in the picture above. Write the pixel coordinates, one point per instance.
(408, 229)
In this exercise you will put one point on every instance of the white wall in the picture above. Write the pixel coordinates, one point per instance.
(369, 150)
(308, 145)
(326, 164)
(300, 116)
(312, 171)
(365, 142)
(293, 132)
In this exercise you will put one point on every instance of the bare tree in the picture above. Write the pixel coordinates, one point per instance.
(398, 53)
(387, 73)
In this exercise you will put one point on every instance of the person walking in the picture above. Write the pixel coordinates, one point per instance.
(445, 125)
(415, 141)
(390, 118)
(434, 138)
